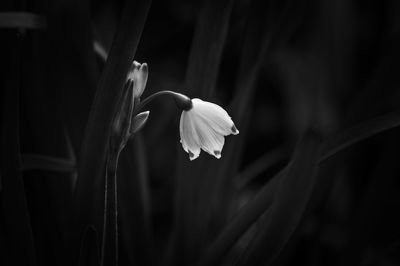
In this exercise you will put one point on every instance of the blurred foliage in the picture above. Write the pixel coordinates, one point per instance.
(311, 179)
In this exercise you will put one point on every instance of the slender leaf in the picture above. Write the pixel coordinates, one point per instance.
(23, 20)
(375, 207)
(201, 77)
(134, 204)
(89, 253)
(260, 165)
(109, 245)
(69, 71)
(41, 162)
(358, 133)
(13, 199)
(222, 173)
(348, 137)
(257, 205)
(290, 201)
(207, 47)
(118, 139)
(240, 223)
(90, 184)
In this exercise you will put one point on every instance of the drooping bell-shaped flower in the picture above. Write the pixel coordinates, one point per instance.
(204, 126)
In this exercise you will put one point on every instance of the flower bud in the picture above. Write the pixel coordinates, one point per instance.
(138, 73)
(139, 121)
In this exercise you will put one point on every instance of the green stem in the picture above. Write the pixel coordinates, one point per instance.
(109, 250)
(182, 101)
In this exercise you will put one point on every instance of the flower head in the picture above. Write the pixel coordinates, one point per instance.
(204, 127)
(138, 74)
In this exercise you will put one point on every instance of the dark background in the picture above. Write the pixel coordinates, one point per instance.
(280, 69)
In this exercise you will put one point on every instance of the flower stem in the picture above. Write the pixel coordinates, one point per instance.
(182, 101)
(109, 250)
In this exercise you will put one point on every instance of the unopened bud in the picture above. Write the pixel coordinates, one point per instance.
(139, 121)
(138, 73)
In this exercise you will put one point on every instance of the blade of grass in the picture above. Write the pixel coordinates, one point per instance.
(134, 204)
(201, 77)
(70, 64)
(89, 253)
(109, 246)
(269, 23)
(255, 46)
(240, 223)
(290, 201)
(263, 31)
(257, 205)
(23, 20)
(353, 135)
(72, 155)
(259, 166)
(207, 47)
(35, 161)
(253, 53)
(13, 199)
(214, 179)
(42, 129)
(377, 202)
(88, 195)
(358, 133)
(259, 34)
(117, 141)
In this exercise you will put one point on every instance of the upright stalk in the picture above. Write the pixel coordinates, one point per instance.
(120, 135)
(109, 247)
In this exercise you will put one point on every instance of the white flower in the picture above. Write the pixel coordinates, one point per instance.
(204, 127)
(138, 73)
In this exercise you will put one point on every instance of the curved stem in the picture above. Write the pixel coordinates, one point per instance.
(182, 101)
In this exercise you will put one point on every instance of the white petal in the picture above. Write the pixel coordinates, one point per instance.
(132, 74)
(210, 140)
(189, 137)
(139, 121)
(215, 116)
(141, 80)
(138, 73)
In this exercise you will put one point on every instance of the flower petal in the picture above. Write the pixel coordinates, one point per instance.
(138, 73)
(139, 121)
(215, 116)
(132, 74)
(189, 137)
(141, 80)
(210, 140)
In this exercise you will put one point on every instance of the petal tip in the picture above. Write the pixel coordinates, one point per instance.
(135, 65)
(234, 130)
(192, 156)
(144, 68)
